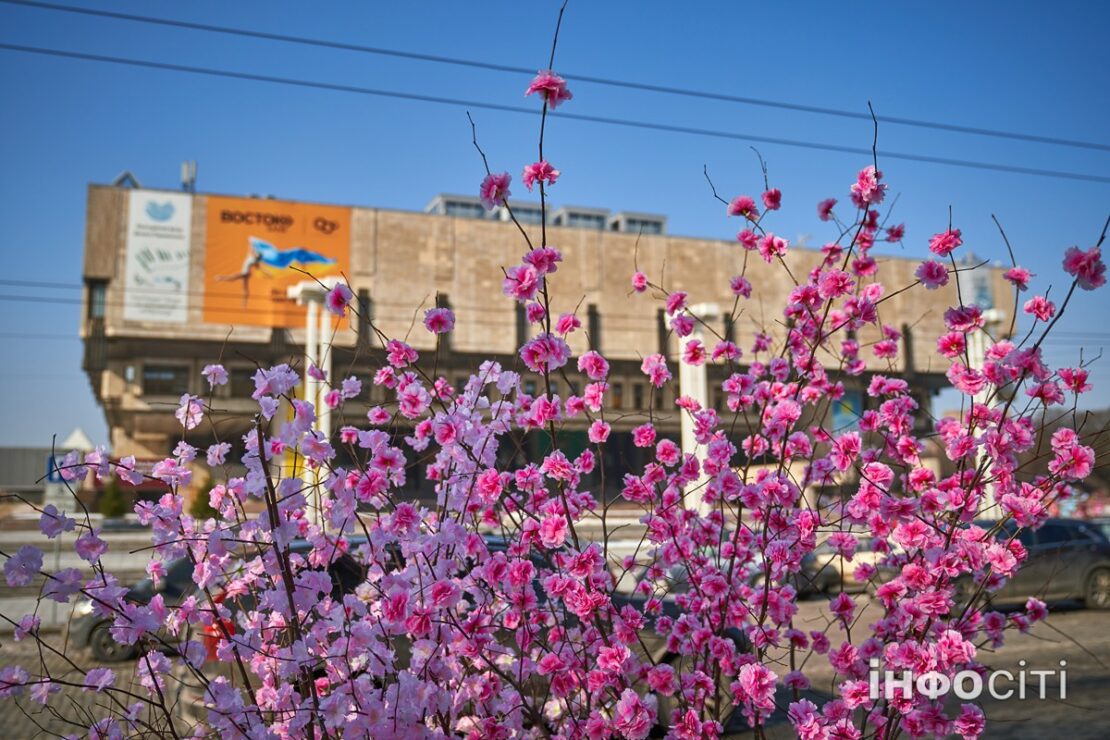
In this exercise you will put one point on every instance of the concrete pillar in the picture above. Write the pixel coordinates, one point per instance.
(693, 381)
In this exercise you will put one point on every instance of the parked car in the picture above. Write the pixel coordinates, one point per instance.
(87, 629)
(828, 572)
(1067, 559)
(91, 630)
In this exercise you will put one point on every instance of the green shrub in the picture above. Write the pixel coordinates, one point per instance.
(112, 502)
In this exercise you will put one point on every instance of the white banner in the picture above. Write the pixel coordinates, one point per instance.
(156, 282)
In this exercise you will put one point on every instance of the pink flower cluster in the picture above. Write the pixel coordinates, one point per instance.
(330, 602)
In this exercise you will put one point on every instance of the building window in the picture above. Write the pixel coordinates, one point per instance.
(643, 226)
(521, 325)
(463, 210)
(661, 331)
(616, 395)
(529, 387)
(98, 298)
(638, 396)
(730, 329)
(593, 326)
(165, 380)
(586, 221)
(528, 215)
(241, 381)
(365, 316)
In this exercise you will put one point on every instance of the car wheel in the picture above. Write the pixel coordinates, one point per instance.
(1097, 593)
(104, 647)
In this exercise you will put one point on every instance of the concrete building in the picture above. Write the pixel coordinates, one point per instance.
(147, 338)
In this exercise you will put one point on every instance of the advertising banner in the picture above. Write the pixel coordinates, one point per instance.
(257, 249)
(156, 275)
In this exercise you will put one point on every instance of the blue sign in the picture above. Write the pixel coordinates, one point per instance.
(53, 475)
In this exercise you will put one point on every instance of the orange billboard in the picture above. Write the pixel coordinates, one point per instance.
(255, 250)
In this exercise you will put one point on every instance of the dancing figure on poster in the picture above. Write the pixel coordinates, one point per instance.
(263, 253)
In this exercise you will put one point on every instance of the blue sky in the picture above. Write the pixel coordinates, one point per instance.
(1010, 66)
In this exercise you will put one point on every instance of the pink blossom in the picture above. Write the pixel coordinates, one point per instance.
(1040, 307)
(632, 717)
(694, 352)
(495, 190)
(522, 282)
(952, 344)
(932, 274)
(945, 243)
(594, 365)
(743, 205)
(215, 375)
(98, 679)
(655, 367)
(599, 431)
(639, 282)
(771, 246)
(338, 298)
(190, 413)
(545, 353)
(748, 239)
(540, 171)
(217, 454)
(740, 286)
(676, 301)
(439, 320)
(754, 688)
(1019, 276)
(399, 354)
(551, 87)
(567, 323)
(1075, 379)
(772, 199)
(867, 190)
(895, 233)
(553, 531)
(1087, 267)
(52, 522)
(544, 259)
(90, 547)
(824, 208)
(643, 436)
(23, 567)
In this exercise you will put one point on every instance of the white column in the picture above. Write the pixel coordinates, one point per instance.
(977, 357)
(693, 381)
(311, 351)
(324, 355)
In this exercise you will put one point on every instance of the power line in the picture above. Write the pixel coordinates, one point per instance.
(627, 123)
(610, 82)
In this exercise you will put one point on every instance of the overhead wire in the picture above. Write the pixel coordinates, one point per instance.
(593, 79)
(582, 117)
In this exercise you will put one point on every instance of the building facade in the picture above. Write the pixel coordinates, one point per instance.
(176, 281)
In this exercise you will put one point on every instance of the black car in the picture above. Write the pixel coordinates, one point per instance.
(1068, 559)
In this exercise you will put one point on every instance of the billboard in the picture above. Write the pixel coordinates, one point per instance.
(255, 250)
(156, 273)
